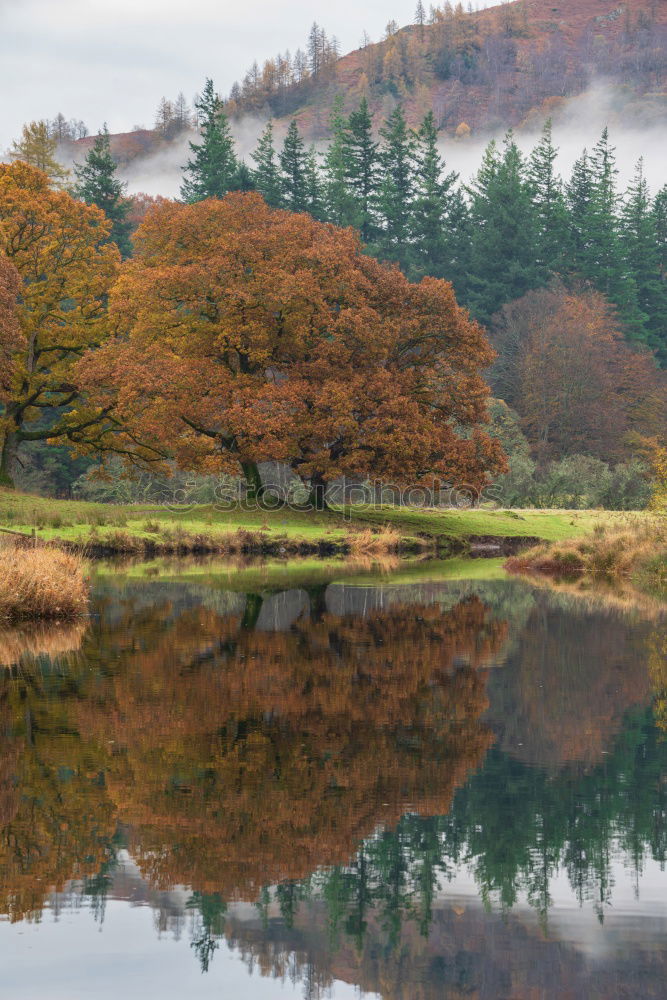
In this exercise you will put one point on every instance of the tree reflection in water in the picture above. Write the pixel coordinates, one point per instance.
(327, 766)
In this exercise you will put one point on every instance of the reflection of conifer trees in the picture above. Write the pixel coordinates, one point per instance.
(235, 758)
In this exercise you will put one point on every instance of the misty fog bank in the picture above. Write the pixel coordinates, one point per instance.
(579, 125)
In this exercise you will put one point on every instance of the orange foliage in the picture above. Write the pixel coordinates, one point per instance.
(10, 333)
(251, 757)
(57, 245)
(577, 385)
(234, 757)
(248, 333)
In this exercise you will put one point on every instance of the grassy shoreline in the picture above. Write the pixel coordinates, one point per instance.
(631, 554)
(150, 530)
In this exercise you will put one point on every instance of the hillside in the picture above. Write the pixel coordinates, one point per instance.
(480, 72)
(510, 65)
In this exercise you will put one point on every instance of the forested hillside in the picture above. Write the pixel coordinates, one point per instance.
(508, 65)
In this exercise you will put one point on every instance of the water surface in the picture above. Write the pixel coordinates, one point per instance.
(317, 784)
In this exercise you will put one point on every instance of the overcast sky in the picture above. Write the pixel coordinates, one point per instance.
(114, 59)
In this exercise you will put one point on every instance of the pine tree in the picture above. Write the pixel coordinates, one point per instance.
(338, 198)
(293, 169)
(659, 215)
(213, 169)
(314, 186)
(595, 226)
(579, 195)
(502, 254)
(244, 180)
(265, 175)
(639, 243)
(361, 165)
(438, 210)
(549, 202)
(97, 184)
(396, 189)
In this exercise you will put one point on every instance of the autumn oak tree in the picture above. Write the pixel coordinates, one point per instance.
(246, 333)
(59, 247)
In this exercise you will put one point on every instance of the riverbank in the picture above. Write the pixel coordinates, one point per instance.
(150, 530)
(631, 553)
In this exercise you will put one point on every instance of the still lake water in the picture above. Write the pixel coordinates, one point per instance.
(408, 787)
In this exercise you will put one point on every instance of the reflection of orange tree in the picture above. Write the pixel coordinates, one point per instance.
(243, 757)
(657, 668)
(56, 820)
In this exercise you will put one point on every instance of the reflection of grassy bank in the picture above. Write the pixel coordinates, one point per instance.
(279, 574)
(631, 554)
(149, 529)
(41, 582)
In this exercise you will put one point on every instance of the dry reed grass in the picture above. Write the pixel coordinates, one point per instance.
(613, 553)
(365, 543)
(42, 582)
(51, 639)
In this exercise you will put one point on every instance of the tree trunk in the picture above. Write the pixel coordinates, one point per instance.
(253, 606)
(253, 480)
(318, 493)
(8, 459)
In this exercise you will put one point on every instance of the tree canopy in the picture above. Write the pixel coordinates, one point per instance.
(248, 333)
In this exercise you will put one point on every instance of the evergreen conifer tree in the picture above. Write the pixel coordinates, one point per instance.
(361, 165)
(293, 171)
(396, 188)
(502, 261)
(97, 184)
(549, 202)
(212, 170)
(314, 186)
(659, 214)
(597, 254)
(338, 198)
(244, 180)
(641, 252)
(438, 211)
(266, 176)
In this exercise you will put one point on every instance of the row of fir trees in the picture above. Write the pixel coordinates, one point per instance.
(514, 226)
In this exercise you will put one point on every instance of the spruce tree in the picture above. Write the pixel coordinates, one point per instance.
(396, 187)
(549, 201)
(212, 170)
(502, 260)
(266, 176)
(579, 195)
(314, 186)
(97, 184)
(659, 215)
(597, 254)
(244, 180)
(639, 243)
(438, 210)
(338, 198)
(293, 171)
(361, 166)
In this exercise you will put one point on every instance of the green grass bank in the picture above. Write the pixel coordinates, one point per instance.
(151, 529)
